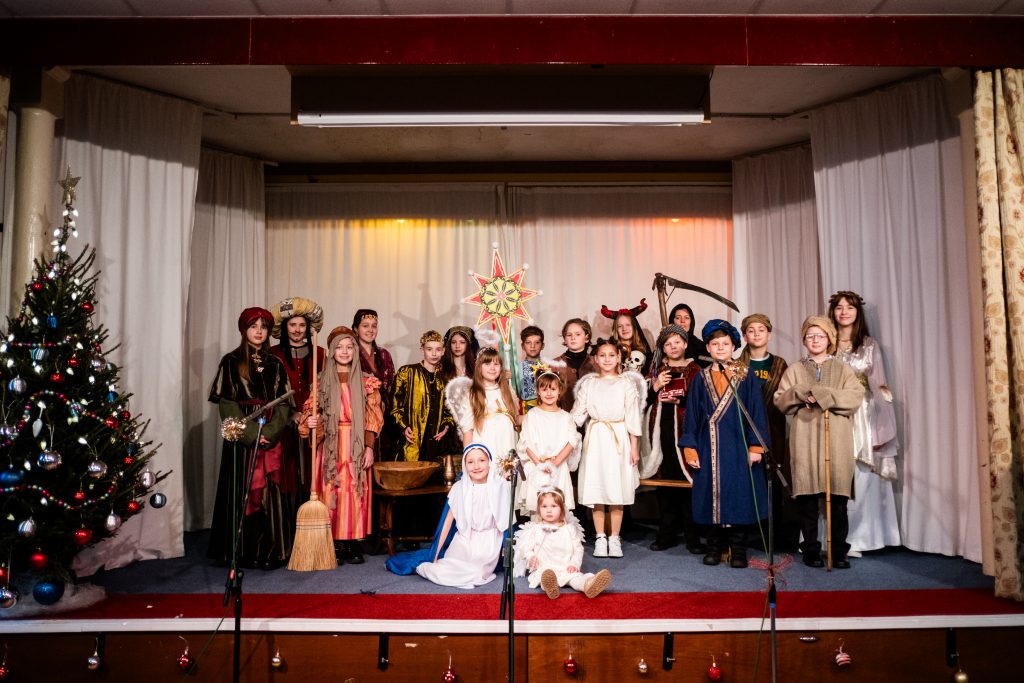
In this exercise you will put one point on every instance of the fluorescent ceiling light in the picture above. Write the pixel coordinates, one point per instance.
(462, 118)
(551, 95)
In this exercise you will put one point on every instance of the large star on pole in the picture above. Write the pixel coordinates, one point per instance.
(500, 296)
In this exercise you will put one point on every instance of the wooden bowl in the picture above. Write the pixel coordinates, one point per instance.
(399, 476)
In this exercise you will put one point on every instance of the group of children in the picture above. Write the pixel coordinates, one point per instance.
(588, 425)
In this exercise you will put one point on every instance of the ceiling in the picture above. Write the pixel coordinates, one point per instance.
(754, 108)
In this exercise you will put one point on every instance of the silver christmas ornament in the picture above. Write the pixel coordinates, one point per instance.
(113, 522)
(96, 469)
(17, 385)
(147, 479)
(27, 528)
(49, 460)
(642, 667)
(8, 597)
(93, 662)
(158, 500)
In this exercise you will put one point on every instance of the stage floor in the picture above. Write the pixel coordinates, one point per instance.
(650, 592)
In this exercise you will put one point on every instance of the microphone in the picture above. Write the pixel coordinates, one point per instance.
(513, 456)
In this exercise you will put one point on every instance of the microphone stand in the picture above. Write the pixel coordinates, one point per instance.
(773, 466)
(233, 585)
(508, 588)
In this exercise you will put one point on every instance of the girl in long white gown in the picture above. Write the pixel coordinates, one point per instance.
(549, 445)
(484, 408)
(874, 522)
(551, 548)
(478, 508)
(611, 404)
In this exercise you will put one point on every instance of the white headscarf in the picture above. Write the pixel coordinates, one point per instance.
(460, 499)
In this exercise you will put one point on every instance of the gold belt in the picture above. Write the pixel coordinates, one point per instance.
(606, 423)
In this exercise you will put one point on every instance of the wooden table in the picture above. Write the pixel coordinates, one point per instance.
(386, 500)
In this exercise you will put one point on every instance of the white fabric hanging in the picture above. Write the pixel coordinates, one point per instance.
(138, 156)
(228, 275)
(888, 182)
(776, 238)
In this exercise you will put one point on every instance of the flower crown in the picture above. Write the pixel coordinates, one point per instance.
(852, 297)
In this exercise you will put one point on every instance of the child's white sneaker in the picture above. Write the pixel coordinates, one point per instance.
(549, 582)
(601, 547)
(614, 546)
(597, 583)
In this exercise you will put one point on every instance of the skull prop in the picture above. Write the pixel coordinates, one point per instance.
(635, 361)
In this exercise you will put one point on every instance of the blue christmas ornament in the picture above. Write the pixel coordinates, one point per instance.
(11, 476)
(40, 353)
(17, 385)
(111, 397)
(51, 322)
(48, 592)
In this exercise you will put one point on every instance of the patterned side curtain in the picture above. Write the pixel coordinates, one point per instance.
(999, 130)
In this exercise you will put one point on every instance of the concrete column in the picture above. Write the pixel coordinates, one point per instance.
(38, 97)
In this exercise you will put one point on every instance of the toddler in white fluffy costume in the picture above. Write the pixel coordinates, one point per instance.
(552, 550)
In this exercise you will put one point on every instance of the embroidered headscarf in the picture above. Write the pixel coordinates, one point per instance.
(330, 403)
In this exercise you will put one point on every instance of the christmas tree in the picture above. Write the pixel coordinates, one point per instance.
(73, 465)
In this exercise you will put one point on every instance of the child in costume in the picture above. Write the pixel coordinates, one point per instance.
(610, 403)
(532, 338)
(551, 548)
(460, 349)
(477, 510)
(721, 449)
(576, 335)
(874, 522)
(419, 405)
(768, 370)
(549, 445)
(696, 349)
(626, 332)
(350, 406)
(484, 408)
(820, 383)
(248, 378)
(670, 382)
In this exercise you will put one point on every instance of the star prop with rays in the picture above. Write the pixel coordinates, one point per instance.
(501, 297)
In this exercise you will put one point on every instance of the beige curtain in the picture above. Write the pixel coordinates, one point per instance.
(999, 123)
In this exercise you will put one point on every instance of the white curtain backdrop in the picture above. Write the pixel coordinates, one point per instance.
(403, 250)
(138, 156)
(228, 275)
(887, 175)
(593, 245)
(776, 236)
(406, 251)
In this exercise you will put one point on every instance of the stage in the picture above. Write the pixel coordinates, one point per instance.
(890, 598)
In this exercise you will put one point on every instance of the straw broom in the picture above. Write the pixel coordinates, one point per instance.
(314, 547)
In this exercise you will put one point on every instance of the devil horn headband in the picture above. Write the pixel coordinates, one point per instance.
(635, 311)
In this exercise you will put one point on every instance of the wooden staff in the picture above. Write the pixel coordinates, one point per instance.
(828, 497)
(659, 284)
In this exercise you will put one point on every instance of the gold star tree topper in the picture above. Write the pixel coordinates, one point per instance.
(500, 296)
(69, 183)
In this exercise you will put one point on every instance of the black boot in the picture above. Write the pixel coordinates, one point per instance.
(737, 547)
(339, 552)
(353, 552)
(812, 554)
(713, 556)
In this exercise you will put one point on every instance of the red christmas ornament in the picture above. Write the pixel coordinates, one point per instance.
(79, 496)
(87, 306)
(38, 560)
(37, 286)
(134, 506)
(449, 675)
(4, 671)
(128, 460)
(4, 575)
(843, 659)
(714, 671)
(73, 362)
(186, 660)
(83, 536)
(569, 665)
(125, 415)
(56, 378)
(111, 422)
